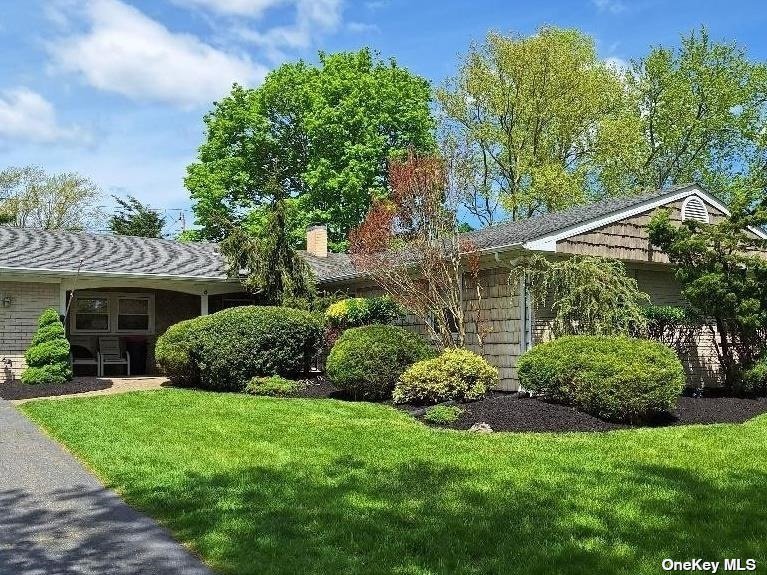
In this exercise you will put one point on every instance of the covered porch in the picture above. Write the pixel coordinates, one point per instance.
(112, 325)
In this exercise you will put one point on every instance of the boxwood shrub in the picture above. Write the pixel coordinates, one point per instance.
(454, 375)
(225, 350)
(615, 378)
(366, 361)
(48, 355)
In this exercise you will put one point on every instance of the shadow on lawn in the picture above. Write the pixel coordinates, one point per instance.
(350, 517)
(83, 530)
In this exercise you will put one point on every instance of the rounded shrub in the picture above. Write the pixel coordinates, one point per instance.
(456, 374)
(174, 352)
(48, 355)
(615, 378)
(753, 381)
(359, 311)
(442, 414)
(274, 386)
(366, 362)
(225, 350)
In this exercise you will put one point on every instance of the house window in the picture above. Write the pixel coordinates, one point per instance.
(451, 321)
(118, 313)
(694, 209)
(132, 314)
(91, 314)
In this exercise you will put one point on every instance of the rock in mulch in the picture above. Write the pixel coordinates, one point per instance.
(317, 387)
(481, 427)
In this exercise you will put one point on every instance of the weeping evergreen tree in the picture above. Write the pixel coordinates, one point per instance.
(587, 295)
(268, 265)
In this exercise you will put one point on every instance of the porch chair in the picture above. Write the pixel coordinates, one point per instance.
(82, 354)
(110, 354)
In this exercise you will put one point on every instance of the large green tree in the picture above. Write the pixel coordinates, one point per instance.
(523, 118)
(695, 113)
(325, 133)
(32, 198)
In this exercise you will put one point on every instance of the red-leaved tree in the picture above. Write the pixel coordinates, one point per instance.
(410, 246)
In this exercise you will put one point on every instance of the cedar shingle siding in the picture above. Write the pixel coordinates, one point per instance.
(625, 239)
(18, 322)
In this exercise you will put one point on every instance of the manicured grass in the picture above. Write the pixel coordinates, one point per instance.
(262, 485)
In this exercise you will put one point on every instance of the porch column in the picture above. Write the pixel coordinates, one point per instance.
(204, 303)
(62, 298)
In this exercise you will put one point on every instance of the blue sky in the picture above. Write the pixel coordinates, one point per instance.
(116, 89)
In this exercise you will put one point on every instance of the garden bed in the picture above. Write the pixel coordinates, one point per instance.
(509, 412)
(15, 390)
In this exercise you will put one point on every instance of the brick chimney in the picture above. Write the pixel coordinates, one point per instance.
(317, 241)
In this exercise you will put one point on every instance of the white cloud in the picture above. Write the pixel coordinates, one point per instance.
(313, 17)
(126, 52)
(612, 6)
(362, 28)
(618, 64)
(27, 116)
(374, 5)
(251, 8)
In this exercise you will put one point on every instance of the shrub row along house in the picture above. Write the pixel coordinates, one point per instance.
(129, 290)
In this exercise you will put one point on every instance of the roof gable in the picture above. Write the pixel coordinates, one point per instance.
(520, 233)
(641, 204)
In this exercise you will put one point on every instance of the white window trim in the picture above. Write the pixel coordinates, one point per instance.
(694, 198)
(114, 300)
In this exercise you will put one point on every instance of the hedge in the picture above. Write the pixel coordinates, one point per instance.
(454, 375)
(615, 378)
(366, 362)
(225, 350)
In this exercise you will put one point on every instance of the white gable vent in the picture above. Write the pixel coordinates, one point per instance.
(694, 209)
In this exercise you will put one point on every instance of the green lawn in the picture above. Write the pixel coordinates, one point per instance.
(260, 485)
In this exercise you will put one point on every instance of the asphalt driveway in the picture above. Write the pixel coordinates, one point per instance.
(57, 519)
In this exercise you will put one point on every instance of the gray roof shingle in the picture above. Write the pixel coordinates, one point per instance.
(102, 253)
(337, 267)
(521, 231)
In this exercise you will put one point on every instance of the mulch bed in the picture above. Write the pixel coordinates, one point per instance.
(510, 412)
(501, 411)
(16, 390)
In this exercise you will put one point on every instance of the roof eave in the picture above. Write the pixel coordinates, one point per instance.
(106, 274)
